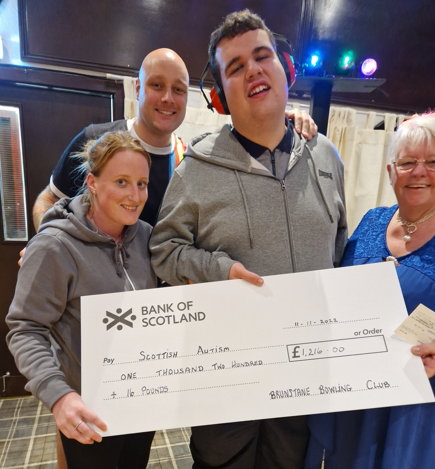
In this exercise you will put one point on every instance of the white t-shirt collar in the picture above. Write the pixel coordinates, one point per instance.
(150, 148)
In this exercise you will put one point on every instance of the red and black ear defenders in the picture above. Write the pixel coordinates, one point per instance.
(217, 95)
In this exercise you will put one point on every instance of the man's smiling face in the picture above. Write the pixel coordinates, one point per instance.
(162, 92)
(252, 76)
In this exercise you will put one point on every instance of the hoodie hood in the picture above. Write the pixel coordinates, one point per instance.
(69, 215)
(223, 149)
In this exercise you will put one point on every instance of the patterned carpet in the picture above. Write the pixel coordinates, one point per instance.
(28, 439)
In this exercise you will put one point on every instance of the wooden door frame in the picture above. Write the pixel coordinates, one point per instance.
(67, 80)
(56, 80)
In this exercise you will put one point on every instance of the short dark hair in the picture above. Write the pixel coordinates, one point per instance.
(238, 22)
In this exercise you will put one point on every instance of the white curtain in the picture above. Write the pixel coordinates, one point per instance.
(199, 121)
(130, 102)
(364, 154)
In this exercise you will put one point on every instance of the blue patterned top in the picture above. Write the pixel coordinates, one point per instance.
(416, 271)
(383, 438)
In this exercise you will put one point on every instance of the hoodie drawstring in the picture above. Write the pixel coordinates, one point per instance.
(251, 236)
(121, 256)
(318, 184)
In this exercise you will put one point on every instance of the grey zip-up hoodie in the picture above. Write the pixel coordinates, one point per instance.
(223, 206)
(68, 259)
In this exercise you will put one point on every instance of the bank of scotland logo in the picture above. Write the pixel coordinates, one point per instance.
(119, 319)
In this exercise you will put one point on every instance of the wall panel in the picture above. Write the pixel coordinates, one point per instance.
(108, 35)
(115, 36)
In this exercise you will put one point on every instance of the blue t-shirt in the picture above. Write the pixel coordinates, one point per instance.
(67, 182)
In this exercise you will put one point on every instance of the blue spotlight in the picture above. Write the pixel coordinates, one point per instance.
(314, 60)
(313, 66)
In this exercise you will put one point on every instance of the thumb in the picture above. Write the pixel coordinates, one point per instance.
(93, 418)
(238, 271)
(423, 349)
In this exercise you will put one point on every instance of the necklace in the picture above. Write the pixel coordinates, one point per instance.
(411, 226)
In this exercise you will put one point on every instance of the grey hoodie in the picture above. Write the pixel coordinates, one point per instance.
(68, 259)
(223, 206)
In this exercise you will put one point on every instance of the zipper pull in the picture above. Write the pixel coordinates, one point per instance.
(272, 160)
(283, 185)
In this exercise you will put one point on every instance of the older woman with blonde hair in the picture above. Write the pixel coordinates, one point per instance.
(404, 436)
(91, 244)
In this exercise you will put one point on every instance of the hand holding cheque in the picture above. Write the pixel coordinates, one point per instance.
(301, 344)
(419, 328)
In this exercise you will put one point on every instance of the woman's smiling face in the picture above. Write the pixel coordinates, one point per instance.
(416, 187)
(119, 191)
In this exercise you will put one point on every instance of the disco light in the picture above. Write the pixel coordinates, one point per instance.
(369, 67)
(345, 65)
(314, 60)
(313, 66)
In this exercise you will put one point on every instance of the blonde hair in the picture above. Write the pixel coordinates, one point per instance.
(416, 131)
(97, 153)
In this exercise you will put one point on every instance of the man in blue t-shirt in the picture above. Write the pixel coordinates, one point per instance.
(161, 89)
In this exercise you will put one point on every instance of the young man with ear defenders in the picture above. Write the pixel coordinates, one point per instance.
(252, 200)
(162, 90)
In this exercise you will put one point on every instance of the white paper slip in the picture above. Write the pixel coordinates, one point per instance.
(229, 351)
(419, 326)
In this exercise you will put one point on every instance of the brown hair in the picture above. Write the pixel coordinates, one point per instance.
(97, 153)
(238, 22)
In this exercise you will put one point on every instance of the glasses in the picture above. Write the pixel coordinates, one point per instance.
(409, 164)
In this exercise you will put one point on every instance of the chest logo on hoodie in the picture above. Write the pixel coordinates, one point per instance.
(325, 175)
(119, 318)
